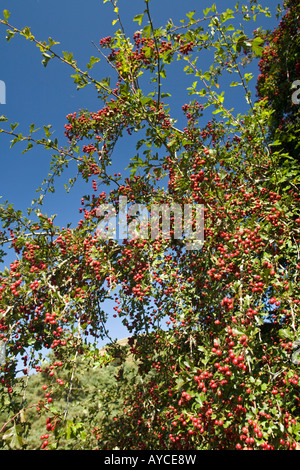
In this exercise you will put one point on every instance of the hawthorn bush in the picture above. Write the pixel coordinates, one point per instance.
(214, 331)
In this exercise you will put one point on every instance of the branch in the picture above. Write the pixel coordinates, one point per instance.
(17, 414)
(157, 51)
(47, 49)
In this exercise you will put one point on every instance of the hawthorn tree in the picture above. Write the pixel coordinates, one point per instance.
(213, 331)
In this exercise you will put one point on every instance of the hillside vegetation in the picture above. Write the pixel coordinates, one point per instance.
(90, 388)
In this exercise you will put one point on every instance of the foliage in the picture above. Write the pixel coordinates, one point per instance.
(213, 331)
(279, 80)
(93, 387)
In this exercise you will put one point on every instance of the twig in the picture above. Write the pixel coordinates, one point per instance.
(157, 52)
(14, 417)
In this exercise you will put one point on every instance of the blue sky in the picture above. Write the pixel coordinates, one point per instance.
(43, 96)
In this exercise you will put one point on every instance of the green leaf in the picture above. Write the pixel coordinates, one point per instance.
(190, 16)
(52, 42)
(13, 437)
(227, 15)
(257, 49)
(139, 18)
(46, 59)
(6, 14)
(47, 130)
(27, 33)
(147, 31)
(92, 62)
(15, 140)
(248, 77)
(284, 333)
(230, 28)
(81, 80)
(13, 126)
(68, 56)
(205, 12)
(10, 34)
